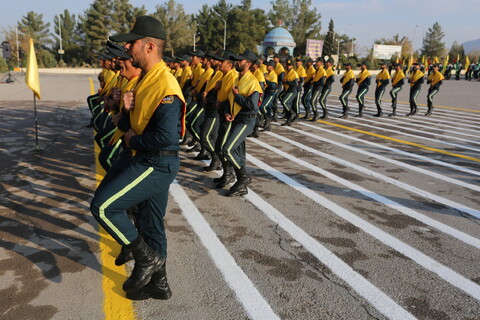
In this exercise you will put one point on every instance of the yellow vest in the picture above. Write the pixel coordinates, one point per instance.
(383, 75)
(206, 76)
(291, 76)
(320, 74)
(110, 81)
(259, 75)
(279, 69)
(399, 75)
(329, 72)
(310, 73)
(362, 76)
(130, 85)
(155, 85)
(263, 68)
(228, 82)
(349, 75)
(435, 77)
(197, 73)
(216, 77)
(178, 74)
(247, 85)
(415, 77)
(186, 73)
(301, 72)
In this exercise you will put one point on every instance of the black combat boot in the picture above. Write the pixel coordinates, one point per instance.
(324, 115)
(240, 187)
(147, 261)
(124, 256)
(195, 146)
(255, 133)
(267, 126)
(186, 139)
(394, 112)
(202, 155)
(379, 113)
(227, 176)
(215, 164)
(157, 288)
(429, 111)
(360, 111)
(315, 116)
(306, 115)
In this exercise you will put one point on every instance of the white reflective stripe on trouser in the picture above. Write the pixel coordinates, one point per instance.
(117, 195)
(430, 96)
(267, 103)
(381, 96)
(343, 96)
(284, 101)
(209, 133)
(110, 156)
(415, 96)
(229, 149)
(394, 92)
(360, 96)
(193, 123)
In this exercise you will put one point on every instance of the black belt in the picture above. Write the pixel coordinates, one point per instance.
(159, 153)
(247, 116)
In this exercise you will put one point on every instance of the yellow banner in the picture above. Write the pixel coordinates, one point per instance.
(31, 76)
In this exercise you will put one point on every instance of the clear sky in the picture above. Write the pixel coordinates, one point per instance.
(365, 20)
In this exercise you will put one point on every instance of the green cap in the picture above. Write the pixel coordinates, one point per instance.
(145, 26)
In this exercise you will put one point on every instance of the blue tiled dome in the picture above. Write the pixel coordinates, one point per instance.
(279, 35)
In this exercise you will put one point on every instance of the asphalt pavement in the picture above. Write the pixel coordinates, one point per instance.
(358, 218)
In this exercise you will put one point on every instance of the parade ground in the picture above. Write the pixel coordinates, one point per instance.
(358, 218)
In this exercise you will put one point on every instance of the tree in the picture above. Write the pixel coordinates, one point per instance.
(456, 52)
(211, 23)
(329, 45)
(306, 24)
(248, 26)
(281, 14)
(68, 25)
(177, 25)
(97, 25)
(432, 43)
(32, 26)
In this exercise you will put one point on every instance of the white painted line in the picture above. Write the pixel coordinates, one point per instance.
(452, 277)
(413, 122)
(398, 183)
(405, 153)
(395, 162)
(438, 114)
(360, 122)
(370, 194)
(253, 302)
(374, 296)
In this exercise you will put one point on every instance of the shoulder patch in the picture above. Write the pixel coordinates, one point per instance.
(168, 100)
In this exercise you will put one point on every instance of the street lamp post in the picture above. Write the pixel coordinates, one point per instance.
(224, 34)
(60, 51)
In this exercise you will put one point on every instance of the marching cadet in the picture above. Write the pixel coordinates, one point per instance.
(280, 71)
(348, 81)
(257, 72)
(157, 111)
(448, 71)
(397, 83)
(302, 74)
(317, 86)
(266, 108)
(327, 88)
(307, 88)
(415, 80)
(240, 115)
(211, 123)
(197, 116)
(177, 68)
(290, 84)
(435, 80)
(262, 66)
(185, 82)
(109, 153)
(458, 70)
(382, 80)
(230, 76)
(363, 82)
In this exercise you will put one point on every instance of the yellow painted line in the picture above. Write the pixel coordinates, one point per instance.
(420, 104)
(115, 304)
(403, 142)
(92, 86)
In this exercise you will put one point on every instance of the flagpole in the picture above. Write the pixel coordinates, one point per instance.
(37, 147)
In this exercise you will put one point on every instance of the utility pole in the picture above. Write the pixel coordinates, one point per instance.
(60, 51)
(18, 49)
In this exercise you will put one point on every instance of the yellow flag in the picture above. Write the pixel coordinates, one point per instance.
(435, 60)
(467, 62)
(31, 76)
(423, 60)
(445, 63)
